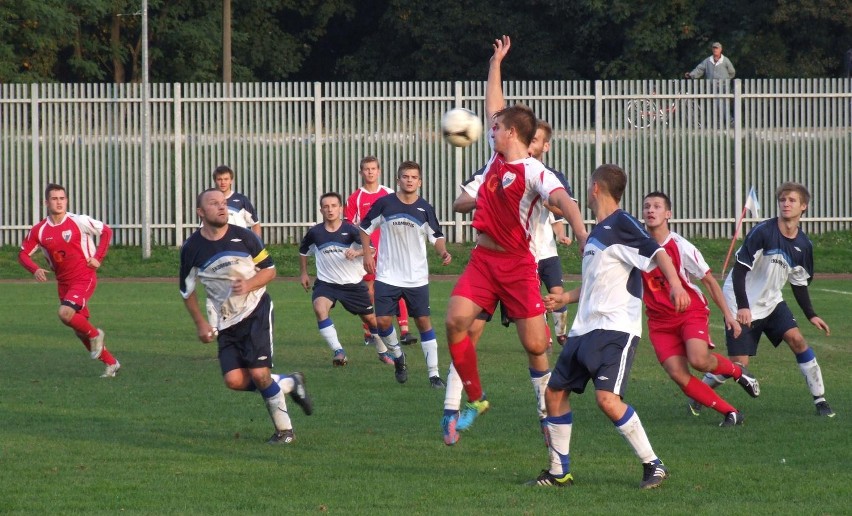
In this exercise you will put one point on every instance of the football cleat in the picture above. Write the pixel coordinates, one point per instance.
(733, 419)
(822, 409)
(282, 437)
(436, 383)
(96, 345)
(386, 358)
(694, 407)
(300, 395)
(368, 340)
(548, 479)
(471, 410)
(748, 382)
(653, 475)
(448, 427)
(400, 369)
(407, 339)
(339, 359)
(111, 370)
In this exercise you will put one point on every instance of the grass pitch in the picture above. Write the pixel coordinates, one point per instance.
(166, 436)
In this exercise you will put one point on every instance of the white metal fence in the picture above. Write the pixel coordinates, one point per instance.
(703, 144)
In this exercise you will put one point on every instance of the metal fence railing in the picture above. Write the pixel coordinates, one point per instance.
(704, 144)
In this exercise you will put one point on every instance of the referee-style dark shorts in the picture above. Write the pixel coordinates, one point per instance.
(550, 272)
(774, 326)
(387, 299)
(603, 356)
(248, 344)
(354, 297)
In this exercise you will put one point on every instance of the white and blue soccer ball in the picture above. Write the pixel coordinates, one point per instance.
(461, 127)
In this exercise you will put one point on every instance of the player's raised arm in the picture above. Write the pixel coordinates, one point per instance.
(494, 100)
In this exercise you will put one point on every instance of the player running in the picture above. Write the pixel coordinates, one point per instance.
(406, 220)
(336, 244)
(682, 339)
(67, 241)
(774, 252)
(357, 206)
(234, 267)
(606, 330)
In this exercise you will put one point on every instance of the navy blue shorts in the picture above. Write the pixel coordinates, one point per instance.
(774, 326)
(387, 299)
(603, 356)
(248, 344)
(550, 272)
(354, 297)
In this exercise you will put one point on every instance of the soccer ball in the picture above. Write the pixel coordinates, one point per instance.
(461, 127)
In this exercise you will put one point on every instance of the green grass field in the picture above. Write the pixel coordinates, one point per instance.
(166, 436)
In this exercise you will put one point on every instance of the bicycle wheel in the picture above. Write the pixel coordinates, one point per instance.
(692, 114)
(641, 113)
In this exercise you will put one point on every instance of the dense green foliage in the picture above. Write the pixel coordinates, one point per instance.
(166, 437)
(338, 40)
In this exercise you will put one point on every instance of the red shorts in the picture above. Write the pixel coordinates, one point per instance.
(78, 293)
(669, 334)
(491, 276)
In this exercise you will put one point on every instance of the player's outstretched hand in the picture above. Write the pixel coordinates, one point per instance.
(41, 274)
(306, 282)
(93, 263)
(501, 48)
(819, 323)
(446, 258)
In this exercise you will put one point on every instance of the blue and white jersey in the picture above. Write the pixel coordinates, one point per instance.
(241, 211)
(402, 260)
(617, 250)
(329, 247)
(237, 255)
(772, 259)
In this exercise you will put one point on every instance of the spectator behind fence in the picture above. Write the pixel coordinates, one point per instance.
(715, 67)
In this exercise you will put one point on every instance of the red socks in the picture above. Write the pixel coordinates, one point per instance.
(702, 393)
(403, 317)
(726, 367)
(82, 326)
(464, 359)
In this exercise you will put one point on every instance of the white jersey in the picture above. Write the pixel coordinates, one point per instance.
(772, 260)
(329, 247)
(402, 261)
(542, 241)
(616, 252)
(216, 263)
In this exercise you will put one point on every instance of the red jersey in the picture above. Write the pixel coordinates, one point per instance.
(689, 263)
(506, 194)
(67, 246)
(358, 205)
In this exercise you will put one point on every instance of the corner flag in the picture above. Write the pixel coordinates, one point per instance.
(753, 207)
(752, 204)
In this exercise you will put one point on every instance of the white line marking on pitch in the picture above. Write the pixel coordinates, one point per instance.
(833, 291)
